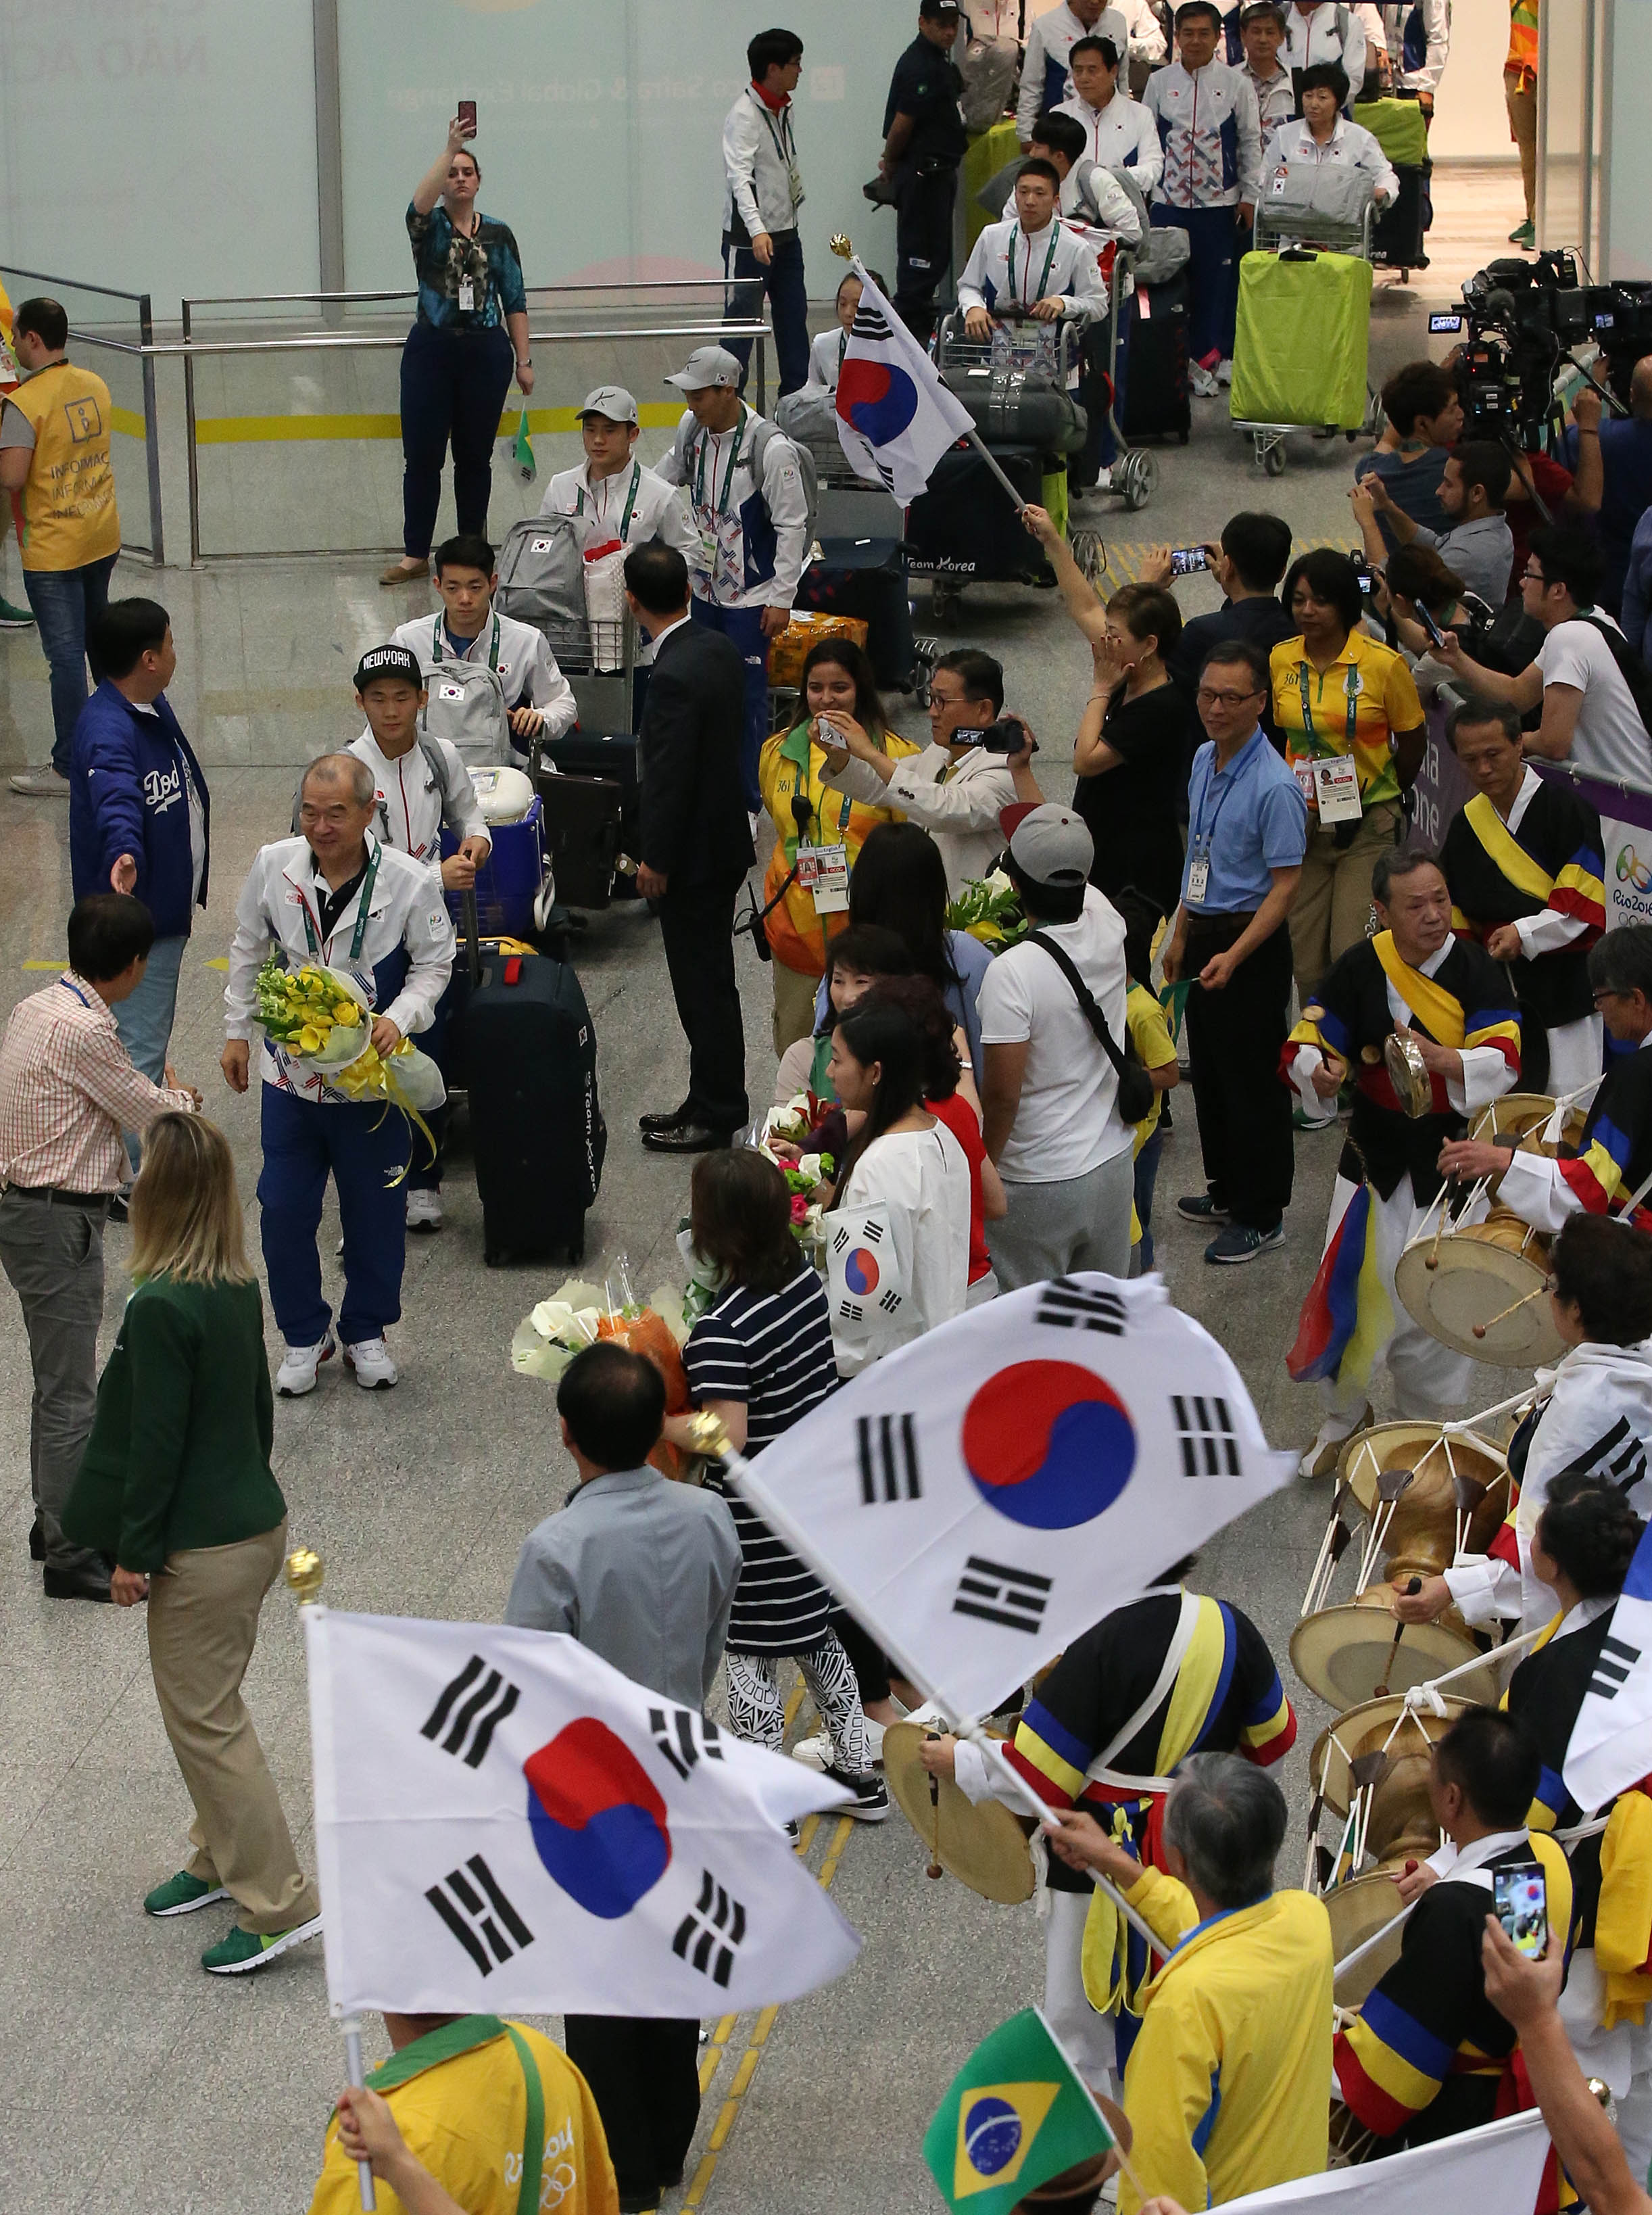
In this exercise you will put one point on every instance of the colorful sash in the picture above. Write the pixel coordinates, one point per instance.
(1508, 856)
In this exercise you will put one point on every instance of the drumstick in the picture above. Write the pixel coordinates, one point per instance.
(1525, 1301)
(1413, 1586)
(1433, 1262)
(932, 1737)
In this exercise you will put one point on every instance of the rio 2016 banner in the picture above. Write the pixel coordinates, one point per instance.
(1625, 812)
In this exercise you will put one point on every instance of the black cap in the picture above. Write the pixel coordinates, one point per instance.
(389, 662)
(937, 7)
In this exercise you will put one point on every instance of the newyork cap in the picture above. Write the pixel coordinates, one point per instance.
(707, 365)
(612, 401)
(389, 662)
(1049, 844)
(932, 8)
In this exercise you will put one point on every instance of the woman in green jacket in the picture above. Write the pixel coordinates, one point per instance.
(176, 1486)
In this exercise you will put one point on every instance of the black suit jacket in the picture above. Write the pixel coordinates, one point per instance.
(695, 826)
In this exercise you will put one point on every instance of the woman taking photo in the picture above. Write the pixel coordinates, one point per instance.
(759, 1359)
(838, 683)
(176, 1486)
(1353, 729)
(470, 332)
(1131, 754)
(903, 1172)
(899, 883)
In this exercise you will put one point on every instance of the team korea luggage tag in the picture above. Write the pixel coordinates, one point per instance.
(1336, 786)
(1198, 881)
(467, 296)
(823, 871)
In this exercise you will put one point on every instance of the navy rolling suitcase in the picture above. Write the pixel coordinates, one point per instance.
(867, 578)
(1397, 237)
(1156, 401)
(965, 529)
(537, 1131)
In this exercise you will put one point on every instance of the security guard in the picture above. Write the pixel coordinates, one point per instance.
(335, 896)
(614, 499)
(923, 144)
(538, 697)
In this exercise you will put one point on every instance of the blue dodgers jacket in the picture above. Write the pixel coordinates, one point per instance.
(126, 795)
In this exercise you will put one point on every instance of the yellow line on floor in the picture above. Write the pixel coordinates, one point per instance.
(57, 968)
(263, 430)
(746, 2068)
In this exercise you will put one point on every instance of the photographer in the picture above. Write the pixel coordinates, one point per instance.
(1625, 446)
(1478, 546)
(1247, 564)
(1589, 713)
(1539, 482)
(959, 786)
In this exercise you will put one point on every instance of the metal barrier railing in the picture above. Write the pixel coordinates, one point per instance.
(155, 551)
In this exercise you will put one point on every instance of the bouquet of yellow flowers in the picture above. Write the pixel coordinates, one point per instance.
(990, 909)
(322, 1023)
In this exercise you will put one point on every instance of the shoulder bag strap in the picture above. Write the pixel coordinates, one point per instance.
(533, 2129)
(1082, 993)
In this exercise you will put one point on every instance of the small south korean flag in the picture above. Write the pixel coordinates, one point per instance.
(868, 1273)
(1611, 1744)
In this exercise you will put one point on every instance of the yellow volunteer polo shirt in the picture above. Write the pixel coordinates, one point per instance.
(70, 515)
(1354, 706)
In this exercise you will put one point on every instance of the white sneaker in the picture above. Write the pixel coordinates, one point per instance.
(43, 783)
(1201, 383)
(371, 1359)
(1225, 371)
(1104, 483)
(1321, 1458)
(424, 1209)
(299, 1364)
(817, 1752)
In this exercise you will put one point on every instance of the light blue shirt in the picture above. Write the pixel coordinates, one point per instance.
(1246, 821)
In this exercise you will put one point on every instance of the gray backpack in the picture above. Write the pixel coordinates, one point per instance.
(808, 417)
(688, 434)
(542, 573)
(435, 761)
(1164, 251)
(466, 706)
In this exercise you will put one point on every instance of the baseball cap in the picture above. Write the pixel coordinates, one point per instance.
(389, 662)
(705, 366)
(1048, 844)
(612, 401)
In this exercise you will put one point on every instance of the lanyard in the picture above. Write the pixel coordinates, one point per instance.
(601, 513)
(842, 348)
(800, 784)
(75, 989)
(1028, 298)
(722, 505)
(1351, 692)
(781, 133)
(493, 648)
(1203, 839)
(361, 915)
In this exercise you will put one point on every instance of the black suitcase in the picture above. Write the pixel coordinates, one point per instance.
(867, 578)
(584, 825)
(611, 756)
(537, 1136)
(1397, 235)
(1156, 402)
(964, 526)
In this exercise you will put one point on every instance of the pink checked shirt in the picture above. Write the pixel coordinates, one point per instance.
(68, 1090)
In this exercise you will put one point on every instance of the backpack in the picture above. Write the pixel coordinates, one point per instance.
(689, 433)
(466, 706)
(1630, 667)
(435, 760)
(1164, 250)
(542, 573)
(808, 417)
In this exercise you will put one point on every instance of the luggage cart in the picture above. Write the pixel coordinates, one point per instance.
(599, 659)
(1294, 233)
(852, 518)
(1134, 473)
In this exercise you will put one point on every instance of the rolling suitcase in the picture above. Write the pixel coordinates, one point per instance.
(1304, 329)
(964, 528)
(1397, 239)
(537, 1131)
(584, 825)
(578, 754)
(1156, 399)
(866, 579)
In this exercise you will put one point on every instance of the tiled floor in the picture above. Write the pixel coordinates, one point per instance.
(126, 2077)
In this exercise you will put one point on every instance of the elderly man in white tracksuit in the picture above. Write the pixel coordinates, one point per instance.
(336, 897)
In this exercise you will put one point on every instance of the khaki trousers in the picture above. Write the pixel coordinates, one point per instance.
(203, 1624)
(794, 1005)
(1332, 910)
(1521, 99)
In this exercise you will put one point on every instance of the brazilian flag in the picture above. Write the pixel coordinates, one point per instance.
(523, 447)
(1016, 2115)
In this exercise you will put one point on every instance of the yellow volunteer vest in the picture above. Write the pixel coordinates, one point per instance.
(70, 515)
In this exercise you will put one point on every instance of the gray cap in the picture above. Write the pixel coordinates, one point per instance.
(707, 365)
(1052, 845)
(612, 401)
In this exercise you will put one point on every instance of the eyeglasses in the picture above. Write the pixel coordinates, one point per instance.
(1208, 698)
(1533, 577)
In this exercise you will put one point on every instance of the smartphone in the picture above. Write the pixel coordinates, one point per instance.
(827, 734)
(1184, 560)
(1435, 634)
(467, 118)
(1362, 572)
(1520, 1900)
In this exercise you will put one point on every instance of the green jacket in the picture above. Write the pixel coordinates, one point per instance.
(180, 1451)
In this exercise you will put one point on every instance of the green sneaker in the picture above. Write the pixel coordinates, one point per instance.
(1527, 235)
(245, 1950)
(14, 618)
(182, 1894)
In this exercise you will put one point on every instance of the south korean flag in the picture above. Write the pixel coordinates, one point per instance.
(979, 1497)
(868, 1272)
(1611, 1746)
(504, 1823)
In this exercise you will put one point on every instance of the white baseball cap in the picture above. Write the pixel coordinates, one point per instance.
(612, 401)
(707, 365)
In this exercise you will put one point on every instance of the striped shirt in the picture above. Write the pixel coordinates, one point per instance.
(772, 1352)
(68, 1090)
